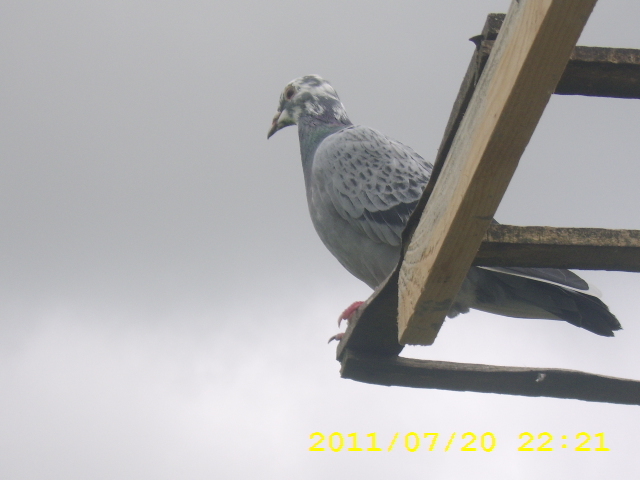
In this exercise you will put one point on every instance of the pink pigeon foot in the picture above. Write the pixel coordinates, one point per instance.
(346, 315)
(349, 311)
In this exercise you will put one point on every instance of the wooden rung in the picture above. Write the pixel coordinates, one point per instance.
(591, 71)
(578, 248)
(469, 377)
(374, 328)
(602, 72)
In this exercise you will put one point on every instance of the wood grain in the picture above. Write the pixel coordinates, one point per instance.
(579, 248)
(469, 377)
(602, 72)
(527, 61)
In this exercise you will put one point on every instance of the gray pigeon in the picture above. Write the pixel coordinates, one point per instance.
(361, 188)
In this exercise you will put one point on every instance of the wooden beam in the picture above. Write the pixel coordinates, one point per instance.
(468, 86)
(527, 61)
(580, 248)
(374, 327)
(530, 382)
(591, 71)
(598, 72)
(602, 72)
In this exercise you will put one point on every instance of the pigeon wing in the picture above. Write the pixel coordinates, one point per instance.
(373, 182)
(555, 276)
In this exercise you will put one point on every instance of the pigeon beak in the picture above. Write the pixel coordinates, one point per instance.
(274, 125)
(280, 120)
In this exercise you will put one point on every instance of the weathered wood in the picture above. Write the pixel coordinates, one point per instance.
(579, 248)
(492, 26)
(591, 71)
(374, 328)
(602, 72)
(529, 57)
(598, 72)
(530, 382)
(469, 82)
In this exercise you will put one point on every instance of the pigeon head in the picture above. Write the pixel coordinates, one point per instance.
(312, 98)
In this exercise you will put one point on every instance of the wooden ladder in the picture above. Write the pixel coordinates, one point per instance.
(502, 97)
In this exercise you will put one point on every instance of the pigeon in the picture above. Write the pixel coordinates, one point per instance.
(361, 188)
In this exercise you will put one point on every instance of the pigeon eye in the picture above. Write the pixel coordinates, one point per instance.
(289, 93)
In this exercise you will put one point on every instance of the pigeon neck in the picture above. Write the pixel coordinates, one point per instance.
(312, 131)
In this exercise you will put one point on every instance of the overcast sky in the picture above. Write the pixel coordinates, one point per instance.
(164, 300)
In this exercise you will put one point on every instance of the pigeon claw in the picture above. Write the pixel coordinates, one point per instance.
(349, 311)
(346, 315)
(337, 336)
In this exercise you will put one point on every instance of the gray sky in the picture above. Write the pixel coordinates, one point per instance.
(164, 299)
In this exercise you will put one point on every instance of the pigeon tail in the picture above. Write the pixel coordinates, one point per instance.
(594, 315)
(525, 297)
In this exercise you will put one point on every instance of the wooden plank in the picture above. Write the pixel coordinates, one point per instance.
(529, 57)
(598, 72)
(469, 82)
(374, 327)
(591, 71)
(602, 72)
(580, 248)
(530, 382)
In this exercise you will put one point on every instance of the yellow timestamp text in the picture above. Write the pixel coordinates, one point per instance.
(466, 442)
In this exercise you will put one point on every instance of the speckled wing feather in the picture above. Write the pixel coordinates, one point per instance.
(374, 182)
